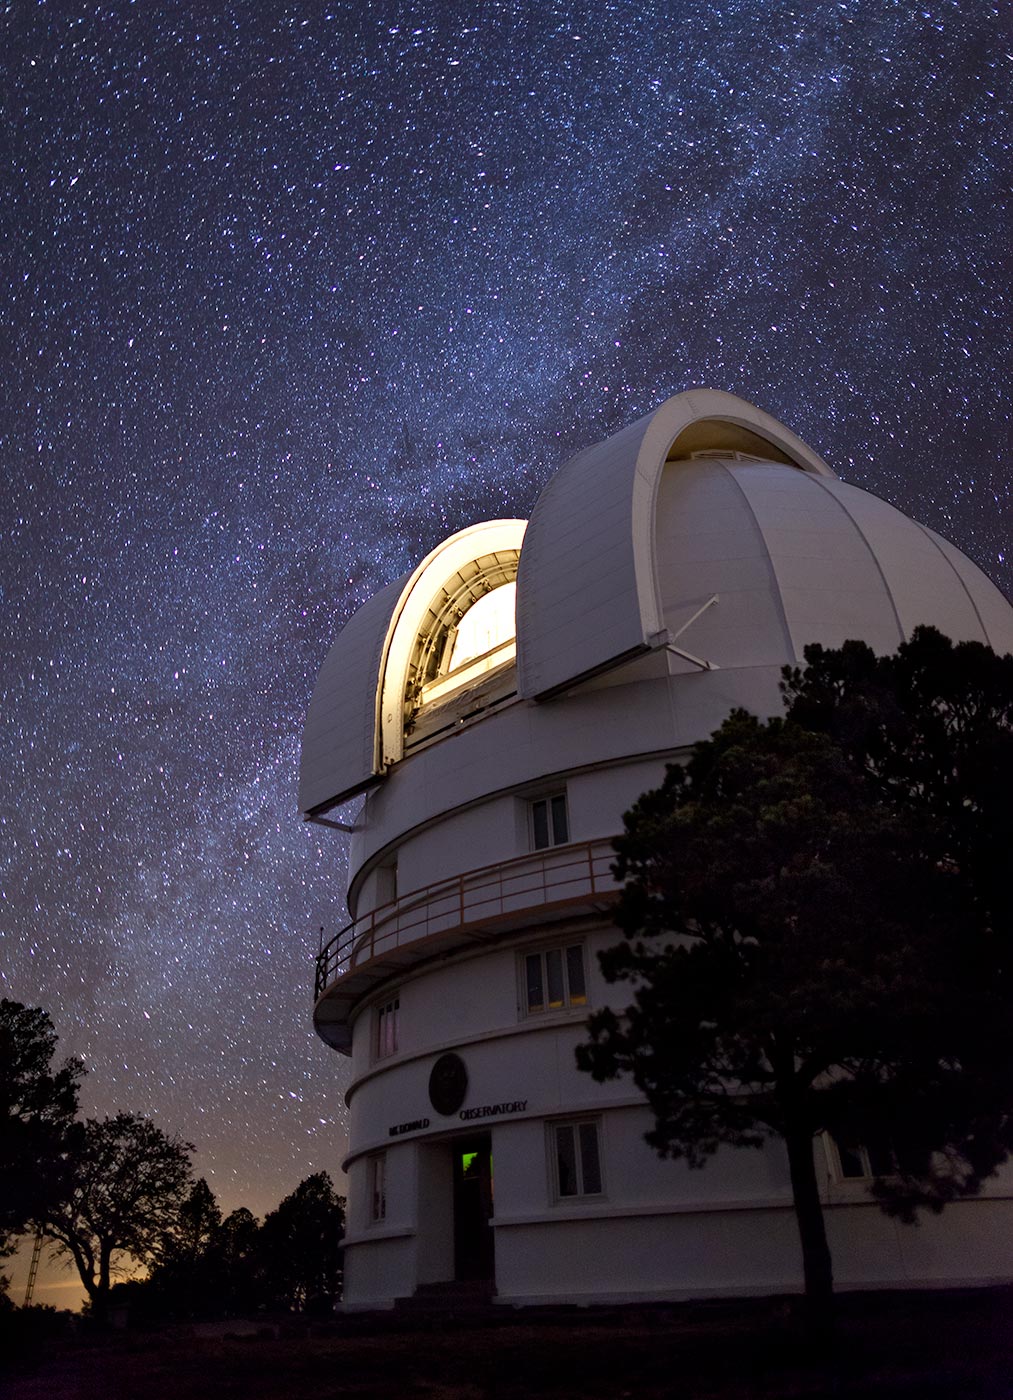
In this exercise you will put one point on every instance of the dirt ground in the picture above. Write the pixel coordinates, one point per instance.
(929, 1346)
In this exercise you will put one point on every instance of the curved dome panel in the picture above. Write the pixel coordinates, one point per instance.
(587, 587)
(922, 575)
(826, 574)
(990, 604)
(339, 737)
(793, 558)
(710, 544)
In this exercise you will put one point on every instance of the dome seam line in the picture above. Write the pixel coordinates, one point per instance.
(771, 569)
(929, 535)
(902, 634)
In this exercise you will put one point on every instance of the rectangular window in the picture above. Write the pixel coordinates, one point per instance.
(853, 1161)
(554, 979)
(377, 1171)
(550, 824)
(576, 1159)
(387, 1028)
(858, 1162)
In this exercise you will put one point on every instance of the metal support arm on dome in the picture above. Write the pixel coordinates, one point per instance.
(666, 640)
(329, 821)
(694, 660)
(320, 815)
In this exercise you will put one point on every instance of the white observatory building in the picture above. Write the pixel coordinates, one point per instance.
(500, 708)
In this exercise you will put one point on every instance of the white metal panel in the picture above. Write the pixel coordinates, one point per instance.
(339, 738)
(992, 608)
(788, 549)
(709, 543)
(830, 582)
(578, 602)
(918, 573)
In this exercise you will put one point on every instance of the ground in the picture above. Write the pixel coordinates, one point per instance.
(953, 1345)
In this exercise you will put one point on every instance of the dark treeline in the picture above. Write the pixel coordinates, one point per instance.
(117, 1195)
(212, 1266)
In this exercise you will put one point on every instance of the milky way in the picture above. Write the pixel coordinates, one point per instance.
(297, 290)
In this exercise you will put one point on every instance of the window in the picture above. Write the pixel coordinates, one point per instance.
(857, 1162)
(576, 1159)
(550, 825)
(377, 1171)
(554, 979)
(387, 1028)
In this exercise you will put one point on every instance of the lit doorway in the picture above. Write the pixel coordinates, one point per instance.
(474, 1254)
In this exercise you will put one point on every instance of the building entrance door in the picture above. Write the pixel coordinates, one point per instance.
(473, 1238)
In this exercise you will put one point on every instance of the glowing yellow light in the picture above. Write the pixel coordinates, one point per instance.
(485, 639)
(486, 625)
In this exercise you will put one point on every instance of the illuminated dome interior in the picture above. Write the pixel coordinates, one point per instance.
(468, 632)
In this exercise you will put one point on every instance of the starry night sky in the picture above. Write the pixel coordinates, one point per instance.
(295, 291)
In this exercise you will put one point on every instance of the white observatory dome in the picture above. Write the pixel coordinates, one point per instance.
(791, 554)
(706, 529)
(498, 710)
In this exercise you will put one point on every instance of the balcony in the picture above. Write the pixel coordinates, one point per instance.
(541, 888)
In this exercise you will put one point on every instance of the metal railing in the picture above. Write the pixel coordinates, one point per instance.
(558, 875)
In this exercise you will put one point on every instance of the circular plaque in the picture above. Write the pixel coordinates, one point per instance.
(448, 1084)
